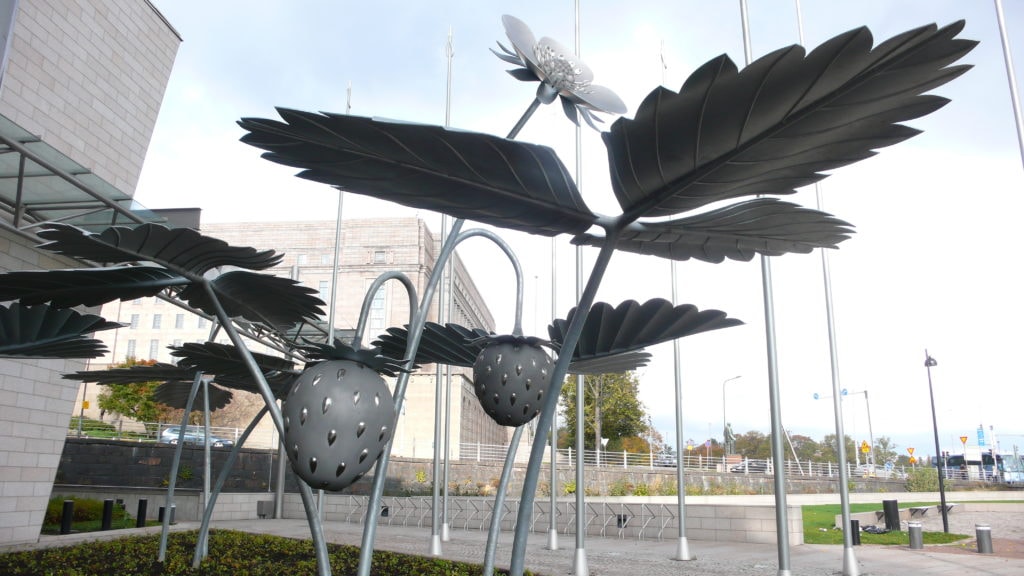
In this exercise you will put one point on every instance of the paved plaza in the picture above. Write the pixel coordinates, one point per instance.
(629, 557)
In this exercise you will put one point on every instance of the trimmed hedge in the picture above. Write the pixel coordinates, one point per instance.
(231, 553)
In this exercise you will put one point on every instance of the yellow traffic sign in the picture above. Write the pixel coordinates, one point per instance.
(963, 440)
(864, 446)
(911, 450)
(85, 404)
(913, 460)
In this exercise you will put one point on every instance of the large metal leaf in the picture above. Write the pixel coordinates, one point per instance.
(763, 226)
(175, 394)
(275, 302)
(776, 125)
(450, 344)
(631, 326)
(180, 249)
(468, 175)
(225, 363)
(611, 364)
(136, 374)
(46, 332)
(87, 287)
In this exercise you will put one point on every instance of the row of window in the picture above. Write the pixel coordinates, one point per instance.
(158, 319)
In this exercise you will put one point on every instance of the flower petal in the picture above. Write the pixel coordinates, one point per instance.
(600, 99)
(521, 37)
(548, 50)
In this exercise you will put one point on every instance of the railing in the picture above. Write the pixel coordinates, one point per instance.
(568, 457)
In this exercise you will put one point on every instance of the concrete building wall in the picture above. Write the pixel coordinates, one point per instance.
(88, 78)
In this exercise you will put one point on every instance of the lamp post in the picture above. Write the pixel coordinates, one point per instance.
(928, 363)
(724, 421)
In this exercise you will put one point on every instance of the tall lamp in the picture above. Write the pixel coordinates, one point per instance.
(928, 363)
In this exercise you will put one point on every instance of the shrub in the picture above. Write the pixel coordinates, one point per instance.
(923, 480)
(86, 510)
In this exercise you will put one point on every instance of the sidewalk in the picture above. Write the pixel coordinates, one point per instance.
(614, 557)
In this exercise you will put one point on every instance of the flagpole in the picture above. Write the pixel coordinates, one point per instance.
(1011, 78)
(778, 450)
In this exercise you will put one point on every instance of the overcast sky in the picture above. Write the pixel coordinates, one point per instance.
(932, 264)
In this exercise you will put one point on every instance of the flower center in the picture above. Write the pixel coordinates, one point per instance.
(560, 71)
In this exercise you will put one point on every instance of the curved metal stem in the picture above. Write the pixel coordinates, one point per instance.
(415, 334)
(547, 414)
(499, 502)
(523, 119)
(165, 529)
(222, 478)
(315, 525)
(364, 311)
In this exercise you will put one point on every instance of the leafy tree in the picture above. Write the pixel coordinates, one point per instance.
(614, 399)
(135, 401)
(830, 450)
(805, 447)
(885, 450)
(753, 444)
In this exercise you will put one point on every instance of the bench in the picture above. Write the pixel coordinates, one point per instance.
(919, 510)
(949, 507)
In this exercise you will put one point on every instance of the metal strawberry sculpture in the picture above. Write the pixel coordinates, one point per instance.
(511, 375)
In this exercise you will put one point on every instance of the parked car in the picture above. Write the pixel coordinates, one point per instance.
(666, 460)
(193, 435)
(750, 466)
(865, 471)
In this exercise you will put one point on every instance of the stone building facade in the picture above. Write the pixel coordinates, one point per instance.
(81, 86)
(369, 248)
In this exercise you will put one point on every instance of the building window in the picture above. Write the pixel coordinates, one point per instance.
(325, 290)
(156, 321)
(179, 321)
(378, 257)
(301, 259)
(325, 259)
(177, 343)
(154, 348)
(377, 312)
(137, 302)
(130, 353)
(201, 323)
(157, 301)
(134, 322)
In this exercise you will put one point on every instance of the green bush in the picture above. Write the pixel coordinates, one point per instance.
(86, 510)
(923, 480)
(231, 553)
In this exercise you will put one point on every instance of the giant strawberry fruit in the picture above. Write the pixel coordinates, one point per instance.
(337, 419)
(511, 375)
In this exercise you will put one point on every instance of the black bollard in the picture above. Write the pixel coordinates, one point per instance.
(855, 532)
(140, 516)
(108, 514)
(891, 508)
(160, 515)
(66, 515)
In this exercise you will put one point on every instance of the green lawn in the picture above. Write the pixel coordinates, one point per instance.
(822, 516)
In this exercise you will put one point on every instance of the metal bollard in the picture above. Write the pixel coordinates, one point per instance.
(160, 514)
(916, 537)
(140, 516)
(108, 514)
(855, 532)
(983, 532)
(66, 515)
(891, 510)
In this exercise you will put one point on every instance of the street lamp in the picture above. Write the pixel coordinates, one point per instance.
(928, 363)
(724, 421)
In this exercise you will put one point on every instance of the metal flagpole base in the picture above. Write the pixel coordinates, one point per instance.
(849, 563)
(683, 550)
(445, 533)
(435, 545)
(552, 539)
(785, 573)
(579, 563)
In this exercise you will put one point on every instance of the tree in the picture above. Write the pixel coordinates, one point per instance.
(830, 450)
(885, 450)
(805, 447)
(614, 398)
(135, 401)
(753, 444)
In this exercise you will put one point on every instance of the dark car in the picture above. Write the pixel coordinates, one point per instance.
(193, 435)
(750, 466)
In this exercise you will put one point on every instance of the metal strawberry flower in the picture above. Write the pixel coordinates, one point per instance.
(560, 73)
